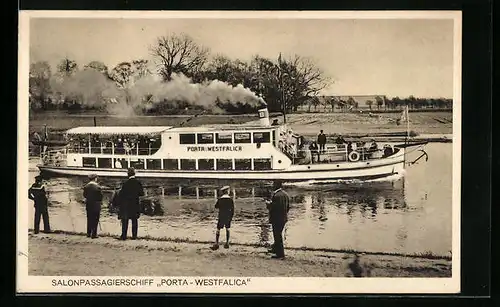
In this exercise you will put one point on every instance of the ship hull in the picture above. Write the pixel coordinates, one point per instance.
(345, 171)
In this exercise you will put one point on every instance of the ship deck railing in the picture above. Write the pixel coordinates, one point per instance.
(333, 154)
(54, 157)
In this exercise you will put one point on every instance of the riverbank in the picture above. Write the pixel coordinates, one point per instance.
(425, 123)
(65, 254)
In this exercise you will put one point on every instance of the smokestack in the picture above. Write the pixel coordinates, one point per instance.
(264, 117)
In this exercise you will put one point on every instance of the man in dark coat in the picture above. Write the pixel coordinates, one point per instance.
(225, 205)
(321, 141)
(92, 193)
(278, 207)
(129, 203)
(38, 195)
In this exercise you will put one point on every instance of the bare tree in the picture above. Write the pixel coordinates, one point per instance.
(99, 66)
(67, 67)
(369, 103)
(379, 101)
(178, 54)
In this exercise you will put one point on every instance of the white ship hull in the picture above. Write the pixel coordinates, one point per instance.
(362, 170)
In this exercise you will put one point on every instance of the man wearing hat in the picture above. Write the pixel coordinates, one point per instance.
(38, 195)
(278, 207)
(225, 205)
(129, 203)
(92, 193)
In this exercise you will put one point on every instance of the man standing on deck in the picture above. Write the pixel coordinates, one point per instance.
(278, 207)
(226, 212)
(129, 203)
(321, 141)
(92, 193)
(37, 193)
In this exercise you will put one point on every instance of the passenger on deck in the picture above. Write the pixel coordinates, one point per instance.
(313, 148)
(340, 140)
(321, 141)
(349, 147)
(275, 122)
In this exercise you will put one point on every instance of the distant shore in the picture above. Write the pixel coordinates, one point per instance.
(429, 126)
(66, 254)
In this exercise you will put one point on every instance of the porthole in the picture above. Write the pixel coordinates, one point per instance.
(279, 161)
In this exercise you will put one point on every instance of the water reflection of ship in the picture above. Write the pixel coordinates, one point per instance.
(367, 199)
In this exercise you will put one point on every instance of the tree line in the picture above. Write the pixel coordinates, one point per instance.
(377, 104)
(284, 83)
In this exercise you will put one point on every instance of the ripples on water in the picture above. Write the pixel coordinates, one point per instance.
(408, 215)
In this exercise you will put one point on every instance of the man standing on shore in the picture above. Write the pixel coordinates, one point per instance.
(226, 212)
(38, 195)
(278, 207)
(129, 203)
(92, 193)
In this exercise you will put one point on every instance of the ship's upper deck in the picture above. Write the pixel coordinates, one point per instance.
(138, 130)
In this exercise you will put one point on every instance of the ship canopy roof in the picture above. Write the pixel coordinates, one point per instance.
(118, 130)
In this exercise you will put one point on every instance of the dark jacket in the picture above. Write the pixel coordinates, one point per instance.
(92, 193)
(37, 193)
(225, 205)
(321, 138)
(279, 207)
(128, 198)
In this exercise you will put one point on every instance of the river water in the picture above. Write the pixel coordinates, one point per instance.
(409, 214)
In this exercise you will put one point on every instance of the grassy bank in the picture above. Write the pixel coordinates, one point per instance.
(66, 254)
(305, 124)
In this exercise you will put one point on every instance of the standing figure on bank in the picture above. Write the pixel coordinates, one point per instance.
(129, 203)
(278, 207)
(38, 195)
(225, 205)
(321, 141)
(92, 193)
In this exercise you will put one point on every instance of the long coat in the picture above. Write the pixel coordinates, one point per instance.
(128, 198)
(37, 193)
(92, 193)
(279, 207)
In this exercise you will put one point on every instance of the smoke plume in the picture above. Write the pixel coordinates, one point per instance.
(181, 88)
(91, 88)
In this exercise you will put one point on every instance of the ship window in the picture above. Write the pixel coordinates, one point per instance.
(104, 162)
(262, 164)
(188, 164)
(121, 163)
(243, 164)
(224, 138)
(154, 164)
(261, 137)
(137, 163)
(206, 164)
(89, 162)
(187, 138)
(242, 137)
(205, 138)
(224, 164)
(170, 164)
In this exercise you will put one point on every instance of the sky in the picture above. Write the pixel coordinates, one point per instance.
(393, 57)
